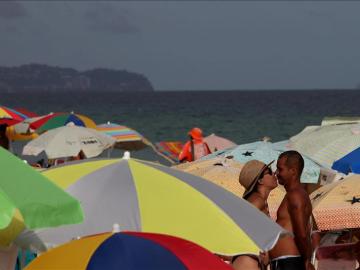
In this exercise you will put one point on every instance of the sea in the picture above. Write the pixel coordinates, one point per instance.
(241, 116)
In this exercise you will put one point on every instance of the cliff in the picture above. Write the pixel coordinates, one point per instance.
(36, 77)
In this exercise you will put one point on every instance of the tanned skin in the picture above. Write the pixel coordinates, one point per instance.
(293, 215)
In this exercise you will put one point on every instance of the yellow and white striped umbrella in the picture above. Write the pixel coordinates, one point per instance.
(326, 144)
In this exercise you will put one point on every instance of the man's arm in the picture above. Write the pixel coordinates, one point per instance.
(300, 223)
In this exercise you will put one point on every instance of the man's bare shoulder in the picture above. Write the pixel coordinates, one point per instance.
(297, 196)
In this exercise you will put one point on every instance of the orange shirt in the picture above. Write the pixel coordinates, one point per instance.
(200, 148)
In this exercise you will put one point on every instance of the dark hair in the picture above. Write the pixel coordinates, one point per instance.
(3, 127)
(293, 159)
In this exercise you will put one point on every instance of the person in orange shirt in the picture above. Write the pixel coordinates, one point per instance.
(195, 148)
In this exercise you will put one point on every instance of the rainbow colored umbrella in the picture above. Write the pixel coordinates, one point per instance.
(55, 120)
(29, 199)
(10, 116)
(129, 250)
(126, 138)
(149, 197)
(170, 149)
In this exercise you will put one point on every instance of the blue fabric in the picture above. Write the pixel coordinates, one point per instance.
(348, 163)
(76, 120)
(127, 252)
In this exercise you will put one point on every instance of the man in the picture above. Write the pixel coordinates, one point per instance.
(195, 148)
(293, 252)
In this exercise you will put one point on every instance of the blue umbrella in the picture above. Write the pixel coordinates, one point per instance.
(348, 163)
(267, 152)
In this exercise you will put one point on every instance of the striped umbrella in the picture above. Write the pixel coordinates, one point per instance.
(170, 149)
(148, 197)
(326, 144)
(27, 198)
(129, 250)
(10, 116)
(337, 206)
(126, 138)
(55, 120)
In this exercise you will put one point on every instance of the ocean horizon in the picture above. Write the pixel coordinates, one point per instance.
(241, 116)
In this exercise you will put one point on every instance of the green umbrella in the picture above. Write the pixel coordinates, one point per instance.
(26, 192)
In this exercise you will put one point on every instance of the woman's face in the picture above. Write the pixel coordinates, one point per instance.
(269, 179)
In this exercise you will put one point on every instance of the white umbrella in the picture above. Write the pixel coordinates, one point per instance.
(68, 141)
(326, 144)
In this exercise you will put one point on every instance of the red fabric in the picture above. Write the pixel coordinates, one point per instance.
(9, 121)
(41, 121)
(200, 148)
(26, 112)
(193, 256)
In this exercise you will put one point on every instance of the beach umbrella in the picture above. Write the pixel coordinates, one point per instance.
(267, 152)
(68, 141)
(216, 143)
(129, 251)
(349, 163)
(225, 173)
(337, 206)
(326, 144)
(10, 116)
(149, 197)
(59, 119)
(126, 138)
(29, 199)
(170, 149)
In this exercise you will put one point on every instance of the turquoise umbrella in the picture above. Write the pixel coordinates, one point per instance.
(267, 152)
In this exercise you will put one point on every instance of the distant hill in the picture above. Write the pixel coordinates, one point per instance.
(36, 77)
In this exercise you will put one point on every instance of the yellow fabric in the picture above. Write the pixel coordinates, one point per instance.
(12, 135)
(9, 234)
(67, 175)
(173, 199)
(74, 255)
(87, 121)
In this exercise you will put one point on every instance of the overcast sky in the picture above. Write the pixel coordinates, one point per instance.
(192, 44)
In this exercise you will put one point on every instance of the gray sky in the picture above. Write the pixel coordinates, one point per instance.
(190, 44)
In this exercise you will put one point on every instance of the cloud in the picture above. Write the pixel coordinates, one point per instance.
(105, 18)
(12, 10)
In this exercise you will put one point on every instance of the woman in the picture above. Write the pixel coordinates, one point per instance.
(258, 180)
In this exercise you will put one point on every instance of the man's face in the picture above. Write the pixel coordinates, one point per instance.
(282, 172)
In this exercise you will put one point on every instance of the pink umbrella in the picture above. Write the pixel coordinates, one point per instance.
(216, 143)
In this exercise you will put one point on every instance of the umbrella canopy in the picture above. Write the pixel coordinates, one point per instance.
(170, 149)
(349, 163)
(216, 143)
(68, 141)
(28, 198)
(129, 250)
(326, 144)
(10, 116)
(55, 120)
(148, 197)
(267, 152)
(336, 206)
(126, 138)
(225, 173)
